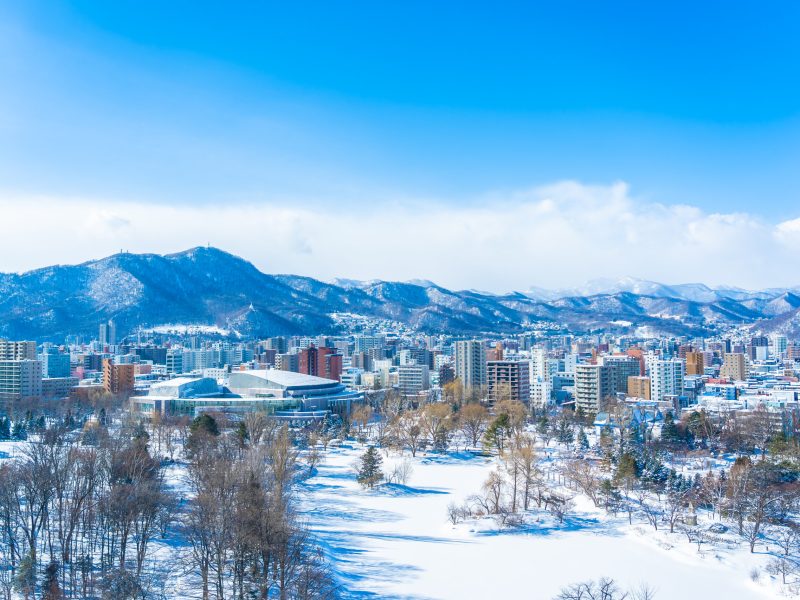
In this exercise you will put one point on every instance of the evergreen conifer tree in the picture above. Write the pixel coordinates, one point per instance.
(583, 441)
(542, 425)
(627, 468)
(19, 432)
(497, 432)
(566, 432)
(25, 579)
(205, 423)
(669, 431)
(242, 435)
(51, 590)
(370, 473)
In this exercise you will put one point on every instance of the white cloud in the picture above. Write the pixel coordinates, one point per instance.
(788, 233)
(100, 219)
(558, 235)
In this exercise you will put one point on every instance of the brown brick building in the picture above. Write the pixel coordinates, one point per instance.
(118, 379)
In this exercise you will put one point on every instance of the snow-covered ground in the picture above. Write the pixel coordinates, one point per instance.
(396, 542)
(11, 449)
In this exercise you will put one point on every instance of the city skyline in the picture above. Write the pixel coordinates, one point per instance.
(320, 300)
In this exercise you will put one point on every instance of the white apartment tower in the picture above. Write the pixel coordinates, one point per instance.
(592, 386)
(666, 376)
(17, 350)
(470, 363)
(20, 379)
(413, 378)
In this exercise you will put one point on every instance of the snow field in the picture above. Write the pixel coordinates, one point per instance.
(396, 541)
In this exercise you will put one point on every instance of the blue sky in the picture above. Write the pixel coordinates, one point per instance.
(373, 106)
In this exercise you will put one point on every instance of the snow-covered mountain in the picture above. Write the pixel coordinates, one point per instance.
(694, 292)
(210, 288)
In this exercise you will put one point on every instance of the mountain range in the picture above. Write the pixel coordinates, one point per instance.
(208, 287)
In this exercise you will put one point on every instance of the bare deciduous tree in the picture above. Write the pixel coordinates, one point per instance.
(473, 419)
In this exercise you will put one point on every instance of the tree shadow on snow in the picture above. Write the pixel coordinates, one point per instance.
(329, 512)
(550, 527)
(428, 539)
(353, 568)
(397, 489)
(450, 458)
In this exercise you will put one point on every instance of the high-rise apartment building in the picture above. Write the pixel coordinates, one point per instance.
(332, 367)
(107, 333)
(321, 362)
(758, 349)
(734, 367)
(10, 350)
(541, 393)
(54, 363)
(415, 356)
(174, 361)
(363, 343)
(307, 360)
(639, 387)
(20, 379)
(376, 354)
(496, 352)
(695, 363)
(413, 378)
(620, 367)
(279, 344)
(118, 379)
(470, 363)
(592, 387)
(666, 376)
(508, 380)
(287, 362)
(779, 345)
(539, 365)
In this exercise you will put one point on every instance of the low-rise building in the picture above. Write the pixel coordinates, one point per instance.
(58, 387)
(279, 393)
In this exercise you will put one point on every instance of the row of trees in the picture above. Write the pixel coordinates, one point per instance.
(245, 537)
(605, 588)
(84, 515)
(517, 484)
(84, 500)
(394, 422)
(719, 431)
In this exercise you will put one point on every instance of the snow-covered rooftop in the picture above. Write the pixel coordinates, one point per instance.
(285, 379)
